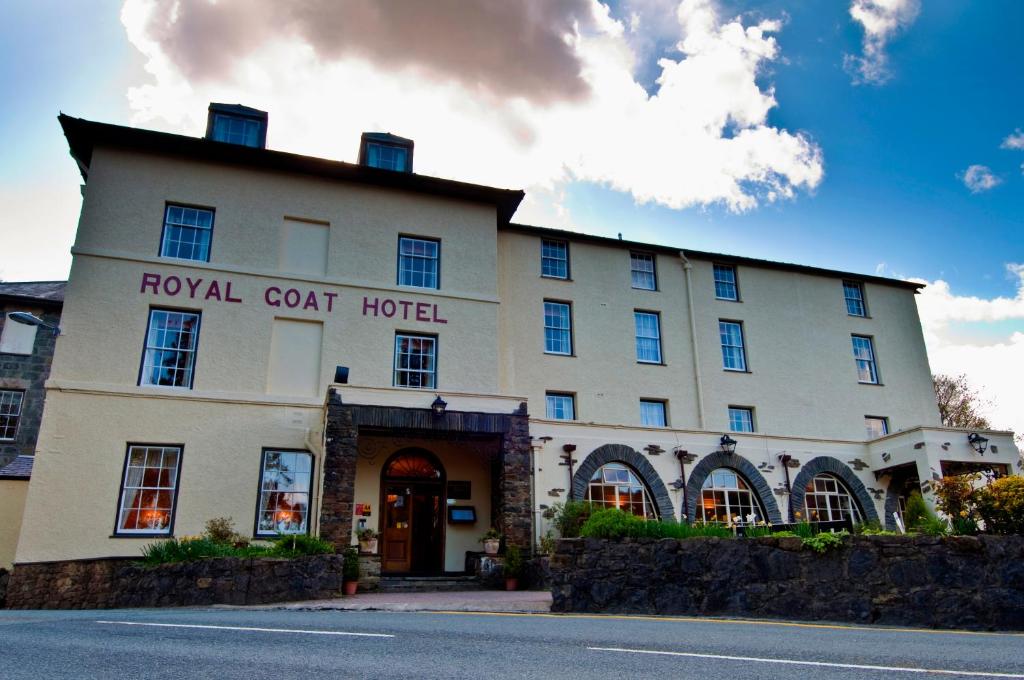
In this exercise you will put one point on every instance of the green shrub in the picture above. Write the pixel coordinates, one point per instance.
(1001, 505)
(349, 563)
(220, 530)
(513, 562)
(916, 511)
(824, 541)
(184, 550)
(569, 517)
(869, 527)
(615, 524)
(933, 526)
(297, 545)
(757, 531)
(965, 526)
(804, 529)
(547, 544)
(956, 497)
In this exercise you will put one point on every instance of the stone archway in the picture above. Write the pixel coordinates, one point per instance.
(836, 468)
(620, 453)
(720, 459)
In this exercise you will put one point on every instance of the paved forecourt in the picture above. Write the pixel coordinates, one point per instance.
(281, 643)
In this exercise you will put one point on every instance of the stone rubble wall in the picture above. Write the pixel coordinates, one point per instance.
(122, 582)
(951, 582)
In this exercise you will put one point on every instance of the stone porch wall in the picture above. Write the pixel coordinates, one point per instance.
(122, 582)
(954, 582)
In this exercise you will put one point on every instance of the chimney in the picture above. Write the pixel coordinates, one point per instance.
(237, 124)
(385, 151)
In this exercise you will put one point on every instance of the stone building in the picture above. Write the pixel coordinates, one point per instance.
(307, 345)
(25, 355)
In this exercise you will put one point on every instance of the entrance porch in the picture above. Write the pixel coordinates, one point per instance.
(430, 484)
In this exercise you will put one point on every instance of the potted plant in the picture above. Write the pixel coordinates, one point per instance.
(491, 541)
(367, 541)
(350, 570)
(513, 567)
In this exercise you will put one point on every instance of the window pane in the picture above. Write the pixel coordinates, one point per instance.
(727, 498)
(554, 259)
(642, 271)
(648, 337)
(731, 334)
(284, 493)
(10, 413)
(828, 500)
(170, 350)
(876, 427)
(557, 328)
(854, 294)
(418, 262)
(864, 356)
(652, 413)
(725, 282)
(560, 407)
(415, 361)
(617, 486)
(187, 233)
(741, 419)
(147, 490)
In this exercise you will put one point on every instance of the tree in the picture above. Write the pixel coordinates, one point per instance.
(959, 404)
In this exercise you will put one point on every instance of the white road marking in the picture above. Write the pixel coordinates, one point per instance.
(247, 628)
(795, 662)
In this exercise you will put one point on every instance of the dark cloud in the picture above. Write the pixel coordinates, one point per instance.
(510, 48)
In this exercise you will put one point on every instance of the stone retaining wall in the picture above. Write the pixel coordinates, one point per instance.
(122, 582)
(954, 582)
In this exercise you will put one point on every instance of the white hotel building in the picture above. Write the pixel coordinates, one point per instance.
(306, 345)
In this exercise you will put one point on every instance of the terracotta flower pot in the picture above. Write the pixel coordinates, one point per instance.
(350, 587)
(491, 546)
(511, 583)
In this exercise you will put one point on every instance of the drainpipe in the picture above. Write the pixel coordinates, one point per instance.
(687, 267)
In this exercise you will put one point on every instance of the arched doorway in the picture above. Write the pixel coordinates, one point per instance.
(412, 486)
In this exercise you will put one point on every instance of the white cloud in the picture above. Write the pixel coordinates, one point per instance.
(1014, 141)
(882, 20)
(992, 365)
(979, 178)
(701, 139)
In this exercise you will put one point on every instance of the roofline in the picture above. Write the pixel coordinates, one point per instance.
(83, 136)
(701, 255)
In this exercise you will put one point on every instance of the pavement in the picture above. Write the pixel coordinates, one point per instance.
(279, 644)
(519, 601)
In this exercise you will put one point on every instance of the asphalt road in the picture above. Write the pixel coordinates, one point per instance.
(234, 643)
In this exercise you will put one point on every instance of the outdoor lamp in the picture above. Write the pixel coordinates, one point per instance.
(977, 442)
(439, 406)
(32, 320)
(727, 443)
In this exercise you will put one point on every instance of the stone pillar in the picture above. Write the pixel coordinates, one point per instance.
(340, 455)
(515, 515)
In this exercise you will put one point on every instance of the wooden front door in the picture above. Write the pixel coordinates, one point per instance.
(412, 498)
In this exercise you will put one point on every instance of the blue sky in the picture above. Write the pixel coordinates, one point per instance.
(863, 173)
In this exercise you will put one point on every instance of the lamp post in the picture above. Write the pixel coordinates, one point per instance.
(32, 320)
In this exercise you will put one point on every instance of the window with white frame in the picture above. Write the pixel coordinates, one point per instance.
(149, 489)
(864, 356)
(727, 498)
(415, 361)
(557, 327)
(554, 259)
(741, 419)
(560, 406)
(17, 338)
(725, 282)
(642, 271)
(187, 233)
(616, 485)
(648, 337)
(10, 413)
(827, 500)
(876, 426)
(652, 413)
(734, 356)
(285, 483)
(170, 354)
(854, 294)
(419, 262)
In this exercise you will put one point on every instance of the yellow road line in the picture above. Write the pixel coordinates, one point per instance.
(736, 622)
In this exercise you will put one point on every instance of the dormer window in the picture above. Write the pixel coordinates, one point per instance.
(237, 124)
(386, 151)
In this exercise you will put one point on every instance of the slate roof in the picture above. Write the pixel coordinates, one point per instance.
(19, 468)
(43, 291)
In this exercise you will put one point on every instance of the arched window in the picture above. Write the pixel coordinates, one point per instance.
(413, 464)
(727, 498)
(828, 500)
(615, 485)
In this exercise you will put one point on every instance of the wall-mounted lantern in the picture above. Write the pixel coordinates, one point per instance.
(977, 442)
(439, 406)
(727, 443)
